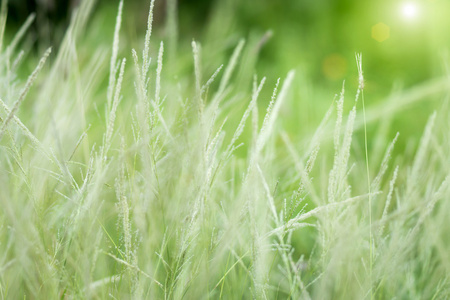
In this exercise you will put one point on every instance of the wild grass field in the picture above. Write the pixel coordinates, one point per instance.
(144, 172)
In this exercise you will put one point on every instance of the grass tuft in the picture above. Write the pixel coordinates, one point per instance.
(174, 193)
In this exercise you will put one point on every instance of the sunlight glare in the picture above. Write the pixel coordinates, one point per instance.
(409, 10)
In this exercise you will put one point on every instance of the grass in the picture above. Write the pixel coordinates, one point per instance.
(120, 181)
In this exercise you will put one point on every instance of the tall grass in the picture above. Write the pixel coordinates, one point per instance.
(148, 188)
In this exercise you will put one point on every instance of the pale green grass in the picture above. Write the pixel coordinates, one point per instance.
(152, 187)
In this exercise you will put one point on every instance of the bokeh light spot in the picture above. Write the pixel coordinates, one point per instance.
(410, 10)
(334, 66)
(380, 32)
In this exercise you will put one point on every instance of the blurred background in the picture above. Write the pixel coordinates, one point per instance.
(404, 43)
(400, 40)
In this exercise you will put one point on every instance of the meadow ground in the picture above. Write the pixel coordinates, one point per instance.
(124, 176)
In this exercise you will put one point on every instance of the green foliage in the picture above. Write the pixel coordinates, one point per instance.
(119, 179)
